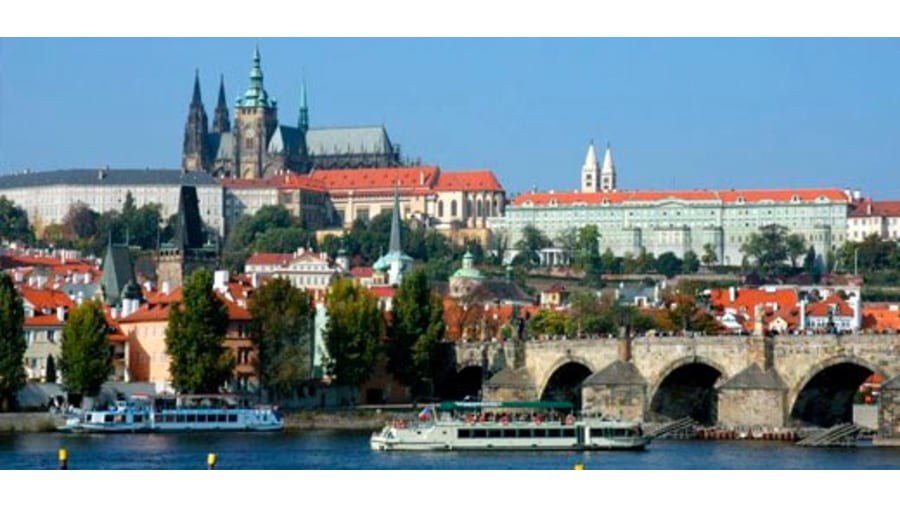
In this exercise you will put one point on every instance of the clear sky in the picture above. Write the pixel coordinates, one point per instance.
(678, 113)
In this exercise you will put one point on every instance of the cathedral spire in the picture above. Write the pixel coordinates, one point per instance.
(303, 121)
(196, 100)
(590, 160)
(220, 120)
(395, 245)
(256, 95)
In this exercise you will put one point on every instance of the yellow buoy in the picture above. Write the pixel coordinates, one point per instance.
(63, 458)
(579, 466)
(211, 461)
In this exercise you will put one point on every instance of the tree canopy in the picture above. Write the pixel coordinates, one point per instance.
(12, 344)
(353, 333)
(282, 331)
(86, 362)
(14, 224)
(417, 327)
(195, 338)
(771, 248)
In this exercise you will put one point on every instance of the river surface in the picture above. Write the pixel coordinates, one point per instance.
(342, 450)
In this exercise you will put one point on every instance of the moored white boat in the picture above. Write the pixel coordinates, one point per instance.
(141, 414)
(480, 426)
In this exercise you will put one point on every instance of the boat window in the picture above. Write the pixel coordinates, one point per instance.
(222, 418)
(568, 432)
(137, 418)
(524, 433)
(191, 418)
(540, 433)
(108, 418)
(494, 433)
(598, 432)
(232, 417)
(554, 433)
(201, 418)
(464, 433)
(179, 418)
(479, 433)
(509, 433)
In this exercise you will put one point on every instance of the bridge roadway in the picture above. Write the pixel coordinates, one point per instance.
(729, 380)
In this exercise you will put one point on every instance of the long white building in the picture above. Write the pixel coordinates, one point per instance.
(677, 221)
(46, 196)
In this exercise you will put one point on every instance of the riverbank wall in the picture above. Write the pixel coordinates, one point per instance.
(29, 422)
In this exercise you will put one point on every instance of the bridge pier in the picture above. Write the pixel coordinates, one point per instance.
(889, 410)
(617, 391)
(753, 397)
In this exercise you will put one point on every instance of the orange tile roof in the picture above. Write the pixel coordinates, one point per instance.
(723, 196)
(383, 292)
(372, 179)
(158, 297)
(468, 180)
(362, 272)
(746, 299)
(45, 298)
(301, 181)
(821, 308)
(235, 311)
(43, 321)
(869, 208)
(148, 313)
(881, 317)
(269, 259)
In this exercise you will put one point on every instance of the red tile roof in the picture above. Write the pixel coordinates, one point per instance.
(148, 313)
(45, 298)
(724, 196)
(821, 308)
(43, 321)
(468, 180)
(868, 208)
(746, 299)
(158, 297)
(362, 272)
(269, 259)
(383, 292)
(881, 317)
(377, 179)
(235, 311)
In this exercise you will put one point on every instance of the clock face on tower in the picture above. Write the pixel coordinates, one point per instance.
(249, 133)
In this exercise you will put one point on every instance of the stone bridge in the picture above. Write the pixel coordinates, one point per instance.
(729, 380)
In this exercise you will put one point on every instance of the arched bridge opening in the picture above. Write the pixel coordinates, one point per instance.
(687, 391)
(827, 397)
(466, 383)
(565, 384)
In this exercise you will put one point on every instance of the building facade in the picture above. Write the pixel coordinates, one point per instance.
(659, 221)
(47, 196)
(879, 218)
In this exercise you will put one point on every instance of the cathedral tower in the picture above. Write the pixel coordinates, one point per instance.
(195, 154)
(256, 118)
(608, 172)
(590, 177)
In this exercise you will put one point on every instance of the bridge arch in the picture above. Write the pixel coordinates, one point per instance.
(563, 380)
(687, 387)
(824, 395)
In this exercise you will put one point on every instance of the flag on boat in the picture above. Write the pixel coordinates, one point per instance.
(426, 413)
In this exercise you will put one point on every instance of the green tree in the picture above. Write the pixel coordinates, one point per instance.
(417, 316)
(239, 243)
(281, 330)
(81, 227)
(86, 361)
(50, 376)
(14, 222)
(796, 246)
(709, 257)
(530, 245)
(284, 240)
(427, 357)
(195, 338)
(355, 327)
(12, 345)
(668, 264)
(691, 262)
(611, 263)
(768, 251)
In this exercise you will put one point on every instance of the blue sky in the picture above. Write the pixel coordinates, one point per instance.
(679, 113)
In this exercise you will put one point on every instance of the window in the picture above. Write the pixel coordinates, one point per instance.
(362, 214)
(453, 209)
(440, 209)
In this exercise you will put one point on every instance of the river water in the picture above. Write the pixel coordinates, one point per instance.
(342, 450)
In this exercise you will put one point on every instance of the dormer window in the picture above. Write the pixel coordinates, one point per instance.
(795, 198)
(740, 200)
(554, 202)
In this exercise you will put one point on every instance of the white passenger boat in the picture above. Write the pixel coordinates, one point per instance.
(141, 414)
(523, 425)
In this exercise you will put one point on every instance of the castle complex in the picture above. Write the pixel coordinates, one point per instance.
(258, 146)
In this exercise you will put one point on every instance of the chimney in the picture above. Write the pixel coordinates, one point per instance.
(758, 325)
(869, 208)
(732, 294)
(165, 287)
(254, 280)
(61, 313)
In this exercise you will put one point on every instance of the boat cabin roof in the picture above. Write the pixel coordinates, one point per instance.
(506, 405)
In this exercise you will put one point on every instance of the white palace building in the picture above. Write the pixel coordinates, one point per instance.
(677, 221)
